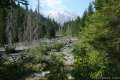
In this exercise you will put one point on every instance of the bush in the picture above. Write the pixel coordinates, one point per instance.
(57, 46)
(56, 67)
(92, 64)
(9, 50)
(13, 71)
(37, 54)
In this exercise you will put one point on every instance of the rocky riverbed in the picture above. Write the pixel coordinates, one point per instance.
(66, 51)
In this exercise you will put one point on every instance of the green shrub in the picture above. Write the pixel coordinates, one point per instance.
(13, 71)
(57, 46)
(56, 67)
(37, 54)
(9, 50)
(92, 64)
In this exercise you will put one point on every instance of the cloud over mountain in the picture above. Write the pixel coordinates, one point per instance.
(62, 16)
(56, 10)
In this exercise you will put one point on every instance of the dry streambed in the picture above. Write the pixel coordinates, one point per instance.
(64, 50)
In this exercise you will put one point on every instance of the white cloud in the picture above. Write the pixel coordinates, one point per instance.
(55, 9)
(48, 5)
(53, 4)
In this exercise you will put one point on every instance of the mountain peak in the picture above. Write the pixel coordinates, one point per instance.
(61, 16)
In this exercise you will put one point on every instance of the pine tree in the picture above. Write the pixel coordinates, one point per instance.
(90, 9)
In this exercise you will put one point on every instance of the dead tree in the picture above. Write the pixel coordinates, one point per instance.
(10, 25)
(37, 19)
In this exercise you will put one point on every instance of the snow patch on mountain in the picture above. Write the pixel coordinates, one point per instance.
(61, 16)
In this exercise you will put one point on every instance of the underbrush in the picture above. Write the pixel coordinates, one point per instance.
(34, 60)
(57, 46)
(13, 71)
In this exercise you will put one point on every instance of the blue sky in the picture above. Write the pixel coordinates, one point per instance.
(74, 6)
